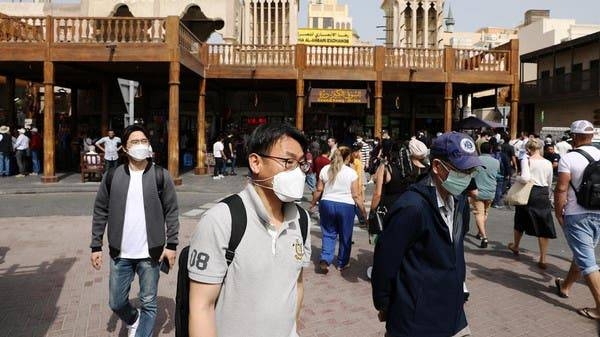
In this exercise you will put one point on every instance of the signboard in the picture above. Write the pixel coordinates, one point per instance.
(325, 37)
(356, 96)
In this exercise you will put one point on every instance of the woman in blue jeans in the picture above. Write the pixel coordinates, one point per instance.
(339, 192)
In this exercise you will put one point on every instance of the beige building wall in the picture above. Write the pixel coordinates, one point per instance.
(328, 14)
(267, 22)
(563, 113)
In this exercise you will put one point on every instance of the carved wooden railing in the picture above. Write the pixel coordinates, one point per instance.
(350, 57)
(22, 29)
(251, 55)
(109, 30)
(188, 41)
(481, 60)
(414, 58)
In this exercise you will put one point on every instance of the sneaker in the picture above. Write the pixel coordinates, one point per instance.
(221, 176)
(216, 177)
(34, 174)
(133, 327)
(484, 243)
(369, 272)
(19, 175)
(323, 267)
(498, 206)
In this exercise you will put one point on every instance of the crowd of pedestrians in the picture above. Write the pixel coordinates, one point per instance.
(20, 152)
(418, 255)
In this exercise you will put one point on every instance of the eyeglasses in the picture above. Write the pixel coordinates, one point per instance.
(290, 163)
(138, 141)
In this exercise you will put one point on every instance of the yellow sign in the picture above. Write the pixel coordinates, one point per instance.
(325, 37)
(338, 96)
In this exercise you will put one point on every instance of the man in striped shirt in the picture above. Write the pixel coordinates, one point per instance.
(365, 153)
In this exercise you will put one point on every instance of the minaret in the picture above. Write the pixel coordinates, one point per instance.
(450, 21)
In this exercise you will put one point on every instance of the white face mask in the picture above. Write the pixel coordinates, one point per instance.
(288, 186)
(139, 151)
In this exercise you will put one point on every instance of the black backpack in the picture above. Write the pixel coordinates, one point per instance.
(588, 193)
(238, 227)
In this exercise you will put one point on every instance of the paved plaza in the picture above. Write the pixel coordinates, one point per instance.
(48, 288)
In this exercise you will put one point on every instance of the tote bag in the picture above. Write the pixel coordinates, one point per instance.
(518, 194)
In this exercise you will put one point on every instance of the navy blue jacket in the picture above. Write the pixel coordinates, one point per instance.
(418, 272)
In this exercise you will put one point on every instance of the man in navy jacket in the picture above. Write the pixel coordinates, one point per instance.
(419, 264)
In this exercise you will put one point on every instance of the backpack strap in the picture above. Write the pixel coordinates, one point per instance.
(238, 224)
(588, 157)
(159, 175)
(303, 223)
(109, 177)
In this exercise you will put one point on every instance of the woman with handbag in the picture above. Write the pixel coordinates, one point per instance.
(534, 218)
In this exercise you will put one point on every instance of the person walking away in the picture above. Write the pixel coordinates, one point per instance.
(580, 224)
(260, 293)
(311, 178)
(110, 145)
(35, 144)
(21, 147)
(535, 218)
(219, 153)
(141, 213)
(503, 175)
(357, 166)
(338, 190)
(230, 153)
(6, 150)
(509, 151)
(419, 263)
(486, 190)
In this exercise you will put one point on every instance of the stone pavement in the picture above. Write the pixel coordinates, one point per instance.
(48, 288)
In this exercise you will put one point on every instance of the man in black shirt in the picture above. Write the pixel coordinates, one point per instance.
(553, 157)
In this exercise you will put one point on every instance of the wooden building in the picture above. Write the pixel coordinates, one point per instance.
(165, 56)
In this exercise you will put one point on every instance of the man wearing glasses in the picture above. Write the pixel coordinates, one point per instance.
(419, 264)
(139, 204)
(260, 293)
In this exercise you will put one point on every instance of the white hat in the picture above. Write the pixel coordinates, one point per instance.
(582, 127)
(21, 130)
(4, 129)
(34, 130)
(417, 148)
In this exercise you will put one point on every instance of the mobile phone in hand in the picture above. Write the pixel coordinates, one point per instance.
(164, 266)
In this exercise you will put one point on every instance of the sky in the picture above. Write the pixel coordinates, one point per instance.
(470, 15)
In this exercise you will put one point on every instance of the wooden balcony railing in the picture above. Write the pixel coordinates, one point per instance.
(481, 60)
(188, 41)
(251, 55)
(414, 58)
(109, 30)
(349, 57)
(22, 29)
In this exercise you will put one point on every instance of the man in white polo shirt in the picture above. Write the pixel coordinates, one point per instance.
(260, 293)
(111, 146)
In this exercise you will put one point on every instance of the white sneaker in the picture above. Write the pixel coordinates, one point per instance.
(133, 328)
(216, 178)
(369, 271)
(221, 176)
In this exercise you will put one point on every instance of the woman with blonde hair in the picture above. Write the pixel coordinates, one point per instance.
(338, 190)
(535, 218)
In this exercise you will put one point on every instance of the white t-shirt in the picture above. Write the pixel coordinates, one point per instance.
(110, 147)
(575, 163)
(134, 244)
(562, 148)
(217, 148)
(340, 190)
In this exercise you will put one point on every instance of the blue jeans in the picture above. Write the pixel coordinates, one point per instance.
(582, 232)
(311, 181)
(122, 272)
(4, 164)
(231, 165)
(35, 161)
(499, 191)
(336, 218)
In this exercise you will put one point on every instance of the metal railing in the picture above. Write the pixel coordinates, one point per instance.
(414, 58)
(251, 55)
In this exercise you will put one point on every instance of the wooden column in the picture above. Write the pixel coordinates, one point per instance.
(300, 65)
(514, 89)
(49, 173)
(448, 107)
(173, 162)
(10, 101)
(201, 130)
(74, 112)
(379, 66)
(104, 107)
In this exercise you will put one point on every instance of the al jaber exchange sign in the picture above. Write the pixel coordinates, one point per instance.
(325, 37)
(356, 96)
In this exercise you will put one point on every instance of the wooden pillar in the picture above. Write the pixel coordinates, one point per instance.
(379, 66)
(10, 102)
(49, 138)
(514, 88)
(448, 107)
(74, 112)
(201, 130)
(300, 103)
(104, 107)
(173, 161)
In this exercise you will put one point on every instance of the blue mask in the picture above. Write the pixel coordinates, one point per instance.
(456, 182)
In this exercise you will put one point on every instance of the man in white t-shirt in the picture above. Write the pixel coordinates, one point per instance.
(580, 225)
(219, 153)
(563, 147)
(110, 145)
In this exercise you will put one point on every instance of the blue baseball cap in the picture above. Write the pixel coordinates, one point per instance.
(459, 148)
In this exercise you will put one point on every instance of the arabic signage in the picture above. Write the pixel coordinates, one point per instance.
(358, 96)
(325, 37)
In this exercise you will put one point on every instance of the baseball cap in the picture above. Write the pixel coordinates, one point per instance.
(459, 148)
(34, 130)
(417, 148)
(582, 127)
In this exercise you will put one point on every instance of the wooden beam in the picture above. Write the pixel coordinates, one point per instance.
(300, 102)
(514, 89)
(173, 162)
(49, 173)
(378, 67)
(201, 128)
(448, 107)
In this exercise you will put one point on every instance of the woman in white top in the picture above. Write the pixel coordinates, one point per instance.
(339, 191)
(535, 218)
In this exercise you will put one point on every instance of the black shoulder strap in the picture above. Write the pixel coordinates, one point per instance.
(160, 180)
(109, 177)
(588, 157)
(182, 296)
(303, 223)
(238, 224)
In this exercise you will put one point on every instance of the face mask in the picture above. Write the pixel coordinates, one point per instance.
(456, 182)
(288, 186)
(139, 152)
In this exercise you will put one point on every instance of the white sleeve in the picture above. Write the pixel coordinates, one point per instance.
(563, 165)
(525, 176)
